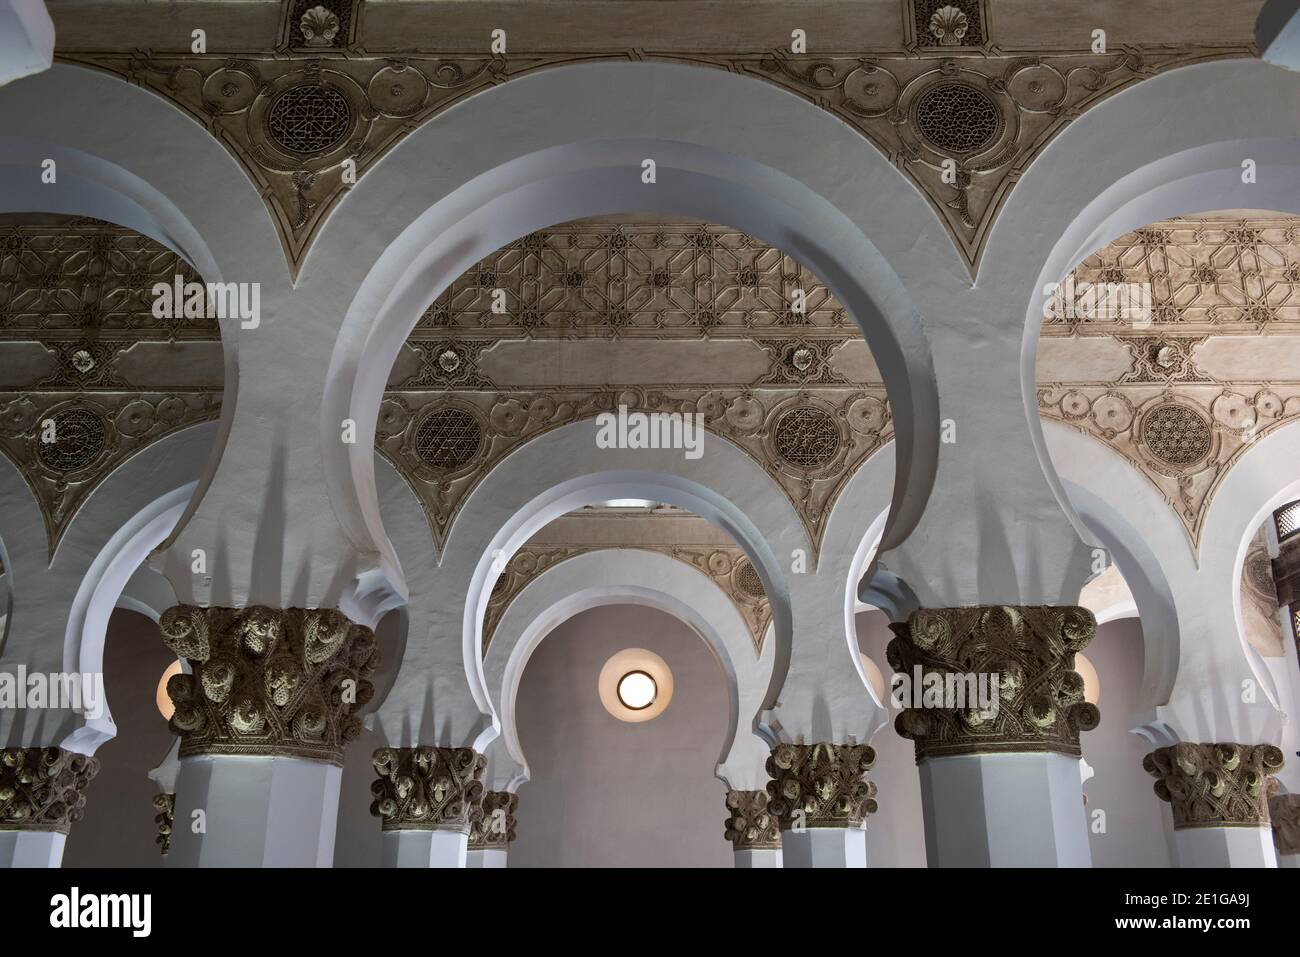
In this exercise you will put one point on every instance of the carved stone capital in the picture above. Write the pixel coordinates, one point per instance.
(268, 681)
(821, 785)
(1025, 655)
(1216, 785)
(427, 789)
(751, 826)
(43, 789)
(494, 828)
(166, 805)
(1284, 815)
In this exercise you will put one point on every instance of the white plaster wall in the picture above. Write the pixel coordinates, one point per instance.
(118, 829)
(608, 793)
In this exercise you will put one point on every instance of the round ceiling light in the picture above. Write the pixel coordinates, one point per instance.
(635, 685)
(165, 705)
(637, 690)
(875, 678)
(1091, 681)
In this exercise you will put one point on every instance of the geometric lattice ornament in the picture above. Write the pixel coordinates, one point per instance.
(963, 124)
(1176, 435)
(1186, 408)
(447, 442)
(88, 440)
(447, 438)
(726, 565)
(1288, 520)
(926, 105)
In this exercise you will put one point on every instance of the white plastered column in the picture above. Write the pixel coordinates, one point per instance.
(31, 848)
(255, 811)
(826, 696)
(1225, 847)
(1004, 810)
(489, 857)
(170, 180)
(502, 774)
(431, 848)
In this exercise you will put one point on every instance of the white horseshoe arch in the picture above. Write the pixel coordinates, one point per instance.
(618, 576)
(588, 162)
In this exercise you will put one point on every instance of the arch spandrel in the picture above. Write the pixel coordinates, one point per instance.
(1184, 383)
(962, 116)
(726, 565)
(83, 352)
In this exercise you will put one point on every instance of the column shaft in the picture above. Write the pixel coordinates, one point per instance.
(1004, 810)
(1219, 796)
(824, 847)
(264, 717)
(425, 849)
(254, 811)
(996, 709)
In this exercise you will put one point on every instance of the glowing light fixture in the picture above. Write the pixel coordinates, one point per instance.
(874, 677)
(637, 690)
(165, 706)
(635, 685)
(1091, 683)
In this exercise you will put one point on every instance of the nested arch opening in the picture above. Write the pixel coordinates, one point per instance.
(525, 198)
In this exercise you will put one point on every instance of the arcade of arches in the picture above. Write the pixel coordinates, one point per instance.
(769, 435)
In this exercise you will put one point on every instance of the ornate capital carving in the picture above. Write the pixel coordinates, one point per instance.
(494, 828)
(429, 789)
(166, 805)
(268, 681)
(751, 826)
(43, 789)
(821, 785)
(1028, 651)
(1284, 815)
(1216, 785)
